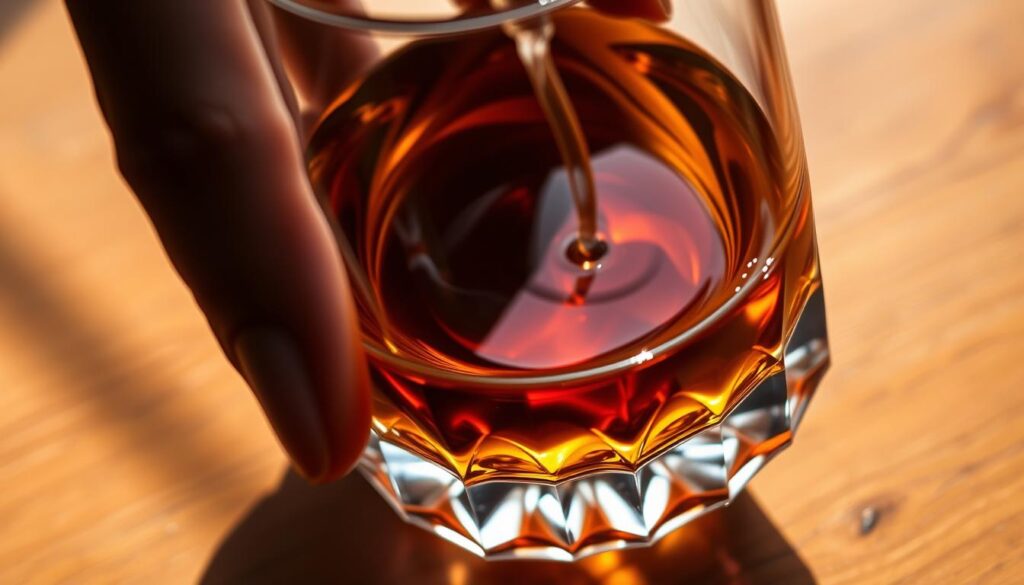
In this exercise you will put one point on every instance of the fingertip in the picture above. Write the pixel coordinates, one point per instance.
(275, 370)
(351, 432)
(323, 444)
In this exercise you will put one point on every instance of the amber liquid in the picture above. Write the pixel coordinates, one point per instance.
(493, 351)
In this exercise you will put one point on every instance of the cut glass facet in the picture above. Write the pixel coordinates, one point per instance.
(611, 509)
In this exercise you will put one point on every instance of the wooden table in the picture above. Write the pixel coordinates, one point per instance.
(131, 452)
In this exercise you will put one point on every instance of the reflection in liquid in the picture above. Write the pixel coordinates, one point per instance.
(345, 533)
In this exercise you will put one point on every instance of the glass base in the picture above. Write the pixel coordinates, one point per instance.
(611, 510)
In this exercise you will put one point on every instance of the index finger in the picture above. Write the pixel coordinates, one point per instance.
(207, 143)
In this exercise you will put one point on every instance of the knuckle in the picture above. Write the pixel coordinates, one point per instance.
(172, 147)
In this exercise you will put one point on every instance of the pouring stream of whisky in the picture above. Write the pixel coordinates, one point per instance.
(532, 39)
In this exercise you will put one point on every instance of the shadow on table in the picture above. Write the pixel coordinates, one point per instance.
(345, 533)
(11, 12)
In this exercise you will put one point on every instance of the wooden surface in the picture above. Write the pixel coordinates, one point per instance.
(130, 451)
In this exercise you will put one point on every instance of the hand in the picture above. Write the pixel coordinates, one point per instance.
(207, 139)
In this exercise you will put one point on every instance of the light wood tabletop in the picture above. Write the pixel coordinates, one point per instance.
(131, 452)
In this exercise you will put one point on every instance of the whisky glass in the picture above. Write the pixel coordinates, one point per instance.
(529, 403)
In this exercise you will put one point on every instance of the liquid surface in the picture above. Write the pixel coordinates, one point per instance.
(454, 197)
(454, 214)
(561, 314)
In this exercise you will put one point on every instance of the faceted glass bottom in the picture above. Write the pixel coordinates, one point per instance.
(611, 510)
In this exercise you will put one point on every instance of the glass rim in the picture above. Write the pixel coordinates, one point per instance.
(774, 250)
(325, 13)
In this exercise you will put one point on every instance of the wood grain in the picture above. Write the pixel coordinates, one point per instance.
(130, 451)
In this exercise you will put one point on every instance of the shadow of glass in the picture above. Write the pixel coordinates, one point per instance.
(345, 533)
